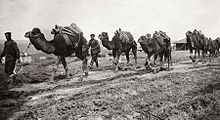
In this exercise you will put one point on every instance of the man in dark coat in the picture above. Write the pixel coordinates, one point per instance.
(95, 50)
(11, 53)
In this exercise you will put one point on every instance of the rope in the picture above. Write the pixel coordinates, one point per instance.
(181, 47)
(28, 46)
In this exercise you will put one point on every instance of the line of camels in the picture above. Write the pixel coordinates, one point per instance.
(157, 45)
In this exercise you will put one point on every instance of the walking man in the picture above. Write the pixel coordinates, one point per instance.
(95, 50)
(12, 54)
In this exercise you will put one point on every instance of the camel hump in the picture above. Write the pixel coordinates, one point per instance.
(71, 34)
(75, 28)
(126, 37)
(72, 30)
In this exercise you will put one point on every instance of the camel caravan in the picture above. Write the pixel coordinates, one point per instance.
(69, 39)
(198, 42)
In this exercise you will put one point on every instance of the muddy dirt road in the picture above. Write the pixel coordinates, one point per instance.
(186, 92)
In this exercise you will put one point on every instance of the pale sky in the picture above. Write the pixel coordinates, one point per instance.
(139, 17)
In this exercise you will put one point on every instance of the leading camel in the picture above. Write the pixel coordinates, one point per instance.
(61, 48)
(119, 45)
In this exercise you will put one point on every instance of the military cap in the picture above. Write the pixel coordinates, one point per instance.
(8, 34)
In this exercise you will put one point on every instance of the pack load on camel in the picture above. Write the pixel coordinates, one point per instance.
(125, 36)
(68, 32)
(62, 46)
(163, 38)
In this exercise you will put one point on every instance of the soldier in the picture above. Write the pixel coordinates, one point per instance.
(95, 50)
(12, 54)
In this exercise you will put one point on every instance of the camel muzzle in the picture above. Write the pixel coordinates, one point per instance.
(27, 34)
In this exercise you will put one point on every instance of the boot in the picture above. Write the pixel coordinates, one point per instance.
(97, 64)
(91, 64)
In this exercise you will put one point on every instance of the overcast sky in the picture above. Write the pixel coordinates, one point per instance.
(139, 17)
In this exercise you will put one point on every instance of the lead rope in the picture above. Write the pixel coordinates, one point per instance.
(28, 46)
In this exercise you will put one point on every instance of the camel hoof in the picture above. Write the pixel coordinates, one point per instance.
(116, 70)
(51, 79)
(134, 68)
(154, 71)
(81, 78)
(50, 82)
(67, 76)
(86, 74)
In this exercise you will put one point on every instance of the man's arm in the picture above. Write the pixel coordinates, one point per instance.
(89, 44)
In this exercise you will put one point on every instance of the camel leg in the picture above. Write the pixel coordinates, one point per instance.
(148, 63)
(117, 54)
(198, 51)
(84, 69)
(114, 58)
(63, 60)
(55, 67)
(117, 61)
(128, 60)
(167, 58)
(168, 62)
(134, 51)
(193, 57)
(155, 58)
(170, 58)
(203, 57)
(161, 62)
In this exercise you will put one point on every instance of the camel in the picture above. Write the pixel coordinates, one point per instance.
(156, 46)
(118, 46)
(59, 47)
(212, 48)
(196, 41)
(218, 44)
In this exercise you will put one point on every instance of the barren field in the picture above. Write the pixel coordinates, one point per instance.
(186, 92)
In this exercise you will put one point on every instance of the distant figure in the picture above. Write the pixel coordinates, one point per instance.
(95, 50)
(119, 30)
(12, 54)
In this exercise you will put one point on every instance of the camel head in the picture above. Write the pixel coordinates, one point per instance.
(35, 33)
(103, 36)
(188, 33)
(143, 40)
